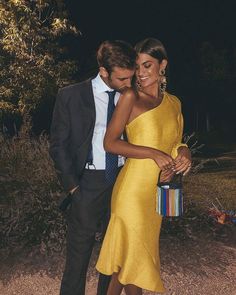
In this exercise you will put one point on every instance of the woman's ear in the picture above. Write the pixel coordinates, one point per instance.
(103, 72)
(163, 64)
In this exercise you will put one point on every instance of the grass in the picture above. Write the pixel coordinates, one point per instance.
(206, 187)
(211, 183)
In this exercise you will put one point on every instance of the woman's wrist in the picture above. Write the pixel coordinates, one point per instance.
(184, 149)
(153, 153)
(181, 148)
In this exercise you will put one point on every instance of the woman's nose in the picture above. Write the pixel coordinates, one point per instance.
(140, 72)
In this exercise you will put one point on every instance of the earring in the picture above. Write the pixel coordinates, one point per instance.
(162, 72)
(163, 81)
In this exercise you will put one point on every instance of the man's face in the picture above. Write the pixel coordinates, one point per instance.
(118, 79)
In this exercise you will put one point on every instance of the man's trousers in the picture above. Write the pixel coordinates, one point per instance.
(90, 206)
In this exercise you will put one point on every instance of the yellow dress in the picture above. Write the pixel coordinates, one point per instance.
(131, 243)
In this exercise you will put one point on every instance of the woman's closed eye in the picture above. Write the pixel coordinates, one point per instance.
(147, 65)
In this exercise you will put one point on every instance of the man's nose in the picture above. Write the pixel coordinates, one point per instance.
(128, 83)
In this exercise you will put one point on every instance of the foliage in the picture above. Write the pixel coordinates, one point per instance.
(30, 194)
(32, 59)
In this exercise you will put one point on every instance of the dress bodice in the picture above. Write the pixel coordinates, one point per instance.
(159, 127)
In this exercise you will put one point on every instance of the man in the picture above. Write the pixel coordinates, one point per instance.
(81, 114)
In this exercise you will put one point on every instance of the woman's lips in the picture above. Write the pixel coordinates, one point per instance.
(143, 78)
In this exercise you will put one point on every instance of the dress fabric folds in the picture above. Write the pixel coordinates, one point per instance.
(131, 243)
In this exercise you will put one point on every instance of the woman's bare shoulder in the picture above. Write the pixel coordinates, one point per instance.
(128, 95)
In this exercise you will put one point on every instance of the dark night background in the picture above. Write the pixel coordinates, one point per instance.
(183, 27)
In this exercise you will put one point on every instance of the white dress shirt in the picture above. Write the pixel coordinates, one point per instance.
(101, 104)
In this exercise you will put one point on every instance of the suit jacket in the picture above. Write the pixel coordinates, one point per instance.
(71, 131)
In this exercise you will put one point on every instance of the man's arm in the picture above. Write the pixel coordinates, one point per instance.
(60, 141)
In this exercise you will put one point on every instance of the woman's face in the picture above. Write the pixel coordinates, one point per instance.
(147, 69)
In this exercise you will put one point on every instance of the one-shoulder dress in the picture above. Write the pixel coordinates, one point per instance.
(131, 243)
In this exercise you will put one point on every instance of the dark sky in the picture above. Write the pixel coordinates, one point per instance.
(181, 25)
(176, 23)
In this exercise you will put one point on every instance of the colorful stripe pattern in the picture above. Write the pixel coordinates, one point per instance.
(169, 201)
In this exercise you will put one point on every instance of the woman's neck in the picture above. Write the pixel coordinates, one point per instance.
(153, 91)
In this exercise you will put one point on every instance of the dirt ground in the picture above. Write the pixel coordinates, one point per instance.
(200, 265)
(194, 263)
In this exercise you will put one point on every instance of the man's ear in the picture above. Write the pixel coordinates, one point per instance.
(103, 72)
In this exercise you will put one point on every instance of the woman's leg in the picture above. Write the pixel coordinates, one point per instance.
(132, 290)
(115, 287)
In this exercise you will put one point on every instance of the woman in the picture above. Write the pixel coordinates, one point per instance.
(153, 123)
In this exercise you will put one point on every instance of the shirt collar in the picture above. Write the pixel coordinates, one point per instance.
(100, 86)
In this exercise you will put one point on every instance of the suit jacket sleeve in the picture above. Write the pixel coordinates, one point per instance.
(60, 141)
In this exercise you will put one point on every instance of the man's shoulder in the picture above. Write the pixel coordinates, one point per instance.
(76, 87)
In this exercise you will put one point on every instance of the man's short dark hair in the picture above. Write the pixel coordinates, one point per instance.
(116, 54)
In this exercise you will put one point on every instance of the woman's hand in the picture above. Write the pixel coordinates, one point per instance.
(183, 160)
(166, 175)
(163, 160)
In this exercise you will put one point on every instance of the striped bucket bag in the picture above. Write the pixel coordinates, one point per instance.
(170, 197)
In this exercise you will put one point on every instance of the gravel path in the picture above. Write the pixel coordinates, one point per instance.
(196, 266)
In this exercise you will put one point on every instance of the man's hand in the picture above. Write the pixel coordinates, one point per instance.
(73, 190)
(183, 160)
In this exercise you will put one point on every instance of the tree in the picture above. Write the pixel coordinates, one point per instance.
(32, 59)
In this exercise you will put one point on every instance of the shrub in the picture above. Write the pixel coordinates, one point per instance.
(29, 192)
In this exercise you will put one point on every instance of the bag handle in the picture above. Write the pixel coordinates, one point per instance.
(176, 179)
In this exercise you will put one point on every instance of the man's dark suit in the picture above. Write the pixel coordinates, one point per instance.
(71, 135)
(72, 131)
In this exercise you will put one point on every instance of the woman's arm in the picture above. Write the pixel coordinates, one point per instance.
(115, 145)
(183, 155)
